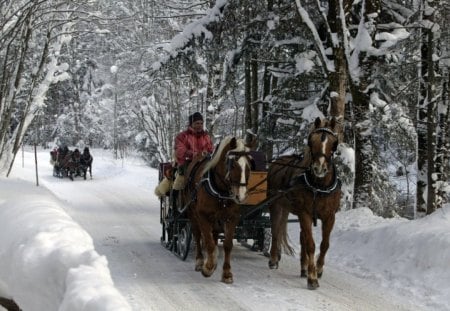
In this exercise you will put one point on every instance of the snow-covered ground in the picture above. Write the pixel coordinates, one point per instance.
(94, 245)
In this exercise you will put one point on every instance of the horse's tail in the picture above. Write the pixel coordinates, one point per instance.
(283, 237)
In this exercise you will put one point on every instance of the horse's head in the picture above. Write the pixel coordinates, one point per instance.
(322, 143)
(238, 166)
(232, 162)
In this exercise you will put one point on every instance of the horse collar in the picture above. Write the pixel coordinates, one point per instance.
(212, 189)
(304, 180)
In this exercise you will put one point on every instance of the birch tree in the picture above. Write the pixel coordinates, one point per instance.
(31, 38)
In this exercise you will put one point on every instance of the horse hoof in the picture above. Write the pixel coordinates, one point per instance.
(313, 284)
(273, 265)
(208, 272)
(303, 273)
(227, 280)
(199, 265)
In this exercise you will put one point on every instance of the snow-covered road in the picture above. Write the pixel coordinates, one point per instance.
(119, 210)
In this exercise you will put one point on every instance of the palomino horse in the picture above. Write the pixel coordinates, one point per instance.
(214, 190)
(310, 189)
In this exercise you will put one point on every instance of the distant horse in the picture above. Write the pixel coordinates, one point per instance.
(216, 187)
(60, 158)
(69, 163)
(310, 189)
(86, 160)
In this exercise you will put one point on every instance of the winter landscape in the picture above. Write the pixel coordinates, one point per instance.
(124, 78)
(94, 245)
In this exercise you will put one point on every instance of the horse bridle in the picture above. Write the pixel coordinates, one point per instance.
(232, 157)
(323, 130)
(211, 186)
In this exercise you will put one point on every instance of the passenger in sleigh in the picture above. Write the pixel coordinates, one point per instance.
(190, 143)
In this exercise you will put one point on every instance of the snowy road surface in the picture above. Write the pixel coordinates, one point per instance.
(119, 210)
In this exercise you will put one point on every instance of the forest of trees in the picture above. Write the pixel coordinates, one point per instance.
(124, 75)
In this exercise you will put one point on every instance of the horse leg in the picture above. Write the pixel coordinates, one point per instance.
(209, 266)
(327, 226)
(198, 246)
(303, 255)
(275, 220)
(310, 247)
(230, 227)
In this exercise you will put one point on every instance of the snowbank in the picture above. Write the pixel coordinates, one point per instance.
(49, 261)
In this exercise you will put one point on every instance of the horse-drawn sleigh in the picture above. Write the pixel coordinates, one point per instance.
(68, 163)
(214, 206)
(231, 195)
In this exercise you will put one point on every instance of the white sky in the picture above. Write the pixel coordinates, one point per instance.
(52, 261)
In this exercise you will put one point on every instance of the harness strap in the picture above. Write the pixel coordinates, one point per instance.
(303, 180)
(209, 187)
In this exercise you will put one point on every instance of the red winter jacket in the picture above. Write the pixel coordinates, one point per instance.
(188, 144)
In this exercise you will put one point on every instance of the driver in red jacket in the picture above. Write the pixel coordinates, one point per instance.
(190, 143)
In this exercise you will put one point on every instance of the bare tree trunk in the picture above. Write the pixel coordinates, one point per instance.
(248, 95)
(254, 97)
(337, 78)
(426, 123)
(362, 125)
(11, 89)
(27, 115)
(442, 147)
(264, 130)
(361, 91)
(209, 98)
(431, 127)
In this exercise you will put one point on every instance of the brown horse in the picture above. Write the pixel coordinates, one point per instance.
(309, 188)
(214, 190)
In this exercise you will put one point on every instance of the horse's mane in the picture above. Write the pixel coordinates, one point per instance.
(218, 152)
